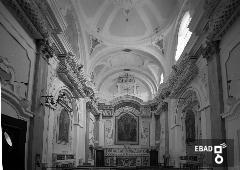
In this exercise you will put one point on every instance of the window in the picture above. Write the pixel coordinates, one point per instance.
(161, 79)
(183, 35)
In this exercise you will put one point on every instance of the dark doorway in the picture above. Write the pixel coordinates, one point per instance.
(99, 158)
(13, 143)
(153, 158)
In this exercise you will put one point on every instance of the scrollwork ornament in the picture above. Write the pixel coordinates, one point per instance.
(44, 49)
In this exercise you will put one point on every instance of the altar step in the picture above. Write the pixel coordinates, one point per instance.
(129, 168)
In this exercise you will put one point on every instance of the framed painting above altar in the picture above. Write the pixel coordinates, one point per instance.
(126, 129)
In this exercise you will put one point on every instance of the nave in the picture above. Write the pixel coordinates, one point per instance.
(120, 84)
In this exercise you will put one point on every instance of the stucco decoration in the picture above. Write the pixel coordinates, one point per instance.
(71, 73)
(91, 132)
(28, 12)
(146, 112)
(145, 132)
(182, 74)
(225, 13)
(108, 130)
(94, 44)
(106, 110)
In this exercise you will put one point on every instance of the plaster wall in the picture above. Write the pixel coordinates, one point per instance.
(230, 43)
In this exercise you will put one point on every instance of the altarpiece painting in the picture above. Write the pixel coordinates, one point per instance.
(126, 129)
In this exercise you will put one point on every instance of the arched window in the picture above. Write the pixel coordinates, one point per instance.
(161, 78)
(183, 35)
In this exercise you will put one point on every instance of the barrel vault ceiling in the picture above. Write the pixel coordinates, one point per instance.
(125, 36)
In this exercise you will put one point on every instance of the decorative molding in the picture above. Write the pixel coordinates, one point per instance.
(159, 44)
(31, 16)
(106, 110)
(92, 106)
(210, 6)
(146, 112)
(182, 74)
(225, 13)
(108, 132)
(44, 49)
(71, 73)
(127, 109)
(8, 80)
(94, 44)
(126, 97)
(187, 70)
(162, 107)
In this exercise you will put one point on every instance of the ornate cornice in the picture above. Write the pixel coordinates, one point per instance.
(225, 13)
(210, 6)
(186, 72)
(92, 106)
(31, 16)
(106, 110)
(182, 74)
(71, 74)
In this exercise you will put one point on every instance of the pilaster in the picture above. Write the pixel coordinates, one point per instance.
(39, 88)
(211, 53)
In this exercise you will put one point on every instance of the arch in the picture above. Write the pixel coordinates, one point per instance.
(188, 117)
(143, 77)
(105, 52)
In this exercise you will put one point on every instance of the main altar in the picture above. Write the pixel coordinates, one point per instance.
(126, 157)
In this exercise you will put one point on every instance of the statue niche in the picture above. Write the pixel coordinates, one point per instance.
(127, 129)
(64, 123)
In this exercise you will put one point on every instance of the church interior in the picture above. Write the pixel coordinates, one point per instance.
(119, 84)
